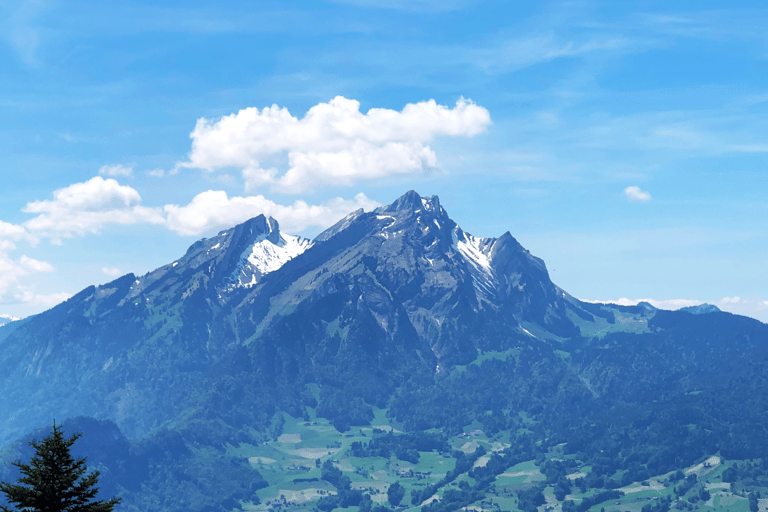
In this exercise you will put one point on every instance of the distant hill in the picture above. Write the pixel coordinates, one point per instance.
(701, 309)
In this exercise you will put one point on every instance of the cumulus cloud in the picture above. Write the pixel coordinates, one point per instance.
(11, 289)
(334, 143)
(116, 170)
(35, 265)
(11, 270)
(215, 210)
(8, 230)
(731, 300)
(87, 207)
(13, 232)
(634, 193)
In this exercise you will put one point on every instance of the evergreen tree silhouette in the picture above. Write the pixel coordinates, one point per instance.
(54, 481)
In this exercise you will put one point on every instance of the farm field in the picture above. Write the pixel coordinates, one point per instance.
(293, 462)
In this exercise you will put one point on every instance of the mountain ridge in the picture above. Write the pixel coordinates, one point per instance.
(403, 269)
(395, 310)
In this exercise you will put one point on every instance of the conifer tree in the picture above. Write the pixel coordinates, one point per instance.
(54, 481)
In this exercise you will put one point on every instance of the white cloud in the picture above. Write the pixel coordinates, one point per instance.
(35, 265)
(87, 207)
(11, 290)
(111, 271)
(43, 300)
(731, 300)
(116, 170)
(634, 193)
(11, 270)
(8, 230)
(13, 232)
(214, 210)
(156, 173)
(334, 143)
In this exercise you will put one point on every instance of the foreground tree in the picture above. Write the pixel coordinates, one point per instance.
(54, 481)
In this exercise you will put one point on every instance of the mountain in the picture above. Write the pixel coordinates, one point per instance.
(397, 311)
(400, 289)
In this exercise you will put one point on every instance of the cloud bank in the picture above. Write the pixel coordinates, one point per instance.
(333, 144)
(215, 210)
(88, 207)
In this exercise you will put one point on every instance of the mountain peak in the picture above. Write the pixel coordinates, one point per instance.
(238, 257)
(258, 227)
(257, 247)
(411, 203)
(411, 200)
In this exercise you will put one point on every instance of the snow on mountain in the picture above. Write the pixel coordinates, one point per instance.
(268, 257)
(477, 253)
(264, 256)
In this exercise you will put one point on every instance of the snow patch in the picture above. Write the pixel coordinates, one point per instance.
(476, 252)
(268, 257)
(265, 257)
(382, 217)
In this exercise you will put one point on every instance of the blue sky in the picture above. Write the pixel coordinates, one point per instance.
(625, 143)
